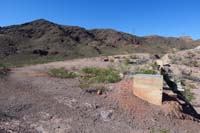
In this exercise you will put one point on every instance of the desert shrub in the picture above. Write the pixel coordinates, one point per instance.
(85, 84)
(4, 69)
(124, 66)
(62, 73)
(146, 71)
(195, 63)
(191, 86)
(161, 131)
(3, 66)
(164, 131)
(189, 96)
(126, 61)
(100, 75)
(154, 65)
(152, 130)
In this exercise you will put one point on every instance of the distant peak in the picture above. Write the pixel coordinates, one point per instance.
(41, 20)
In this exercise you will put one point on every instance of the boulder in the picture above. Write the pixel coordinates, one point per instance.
(148, 87)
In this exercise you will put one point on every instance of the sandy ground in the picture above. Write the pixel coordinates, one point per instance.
(32, 101)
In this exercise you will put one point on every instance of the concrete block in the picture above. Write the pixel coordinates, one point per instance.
(148, 87)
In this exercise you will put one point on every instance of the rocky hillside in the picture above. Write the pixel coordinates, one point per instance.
(42, 40)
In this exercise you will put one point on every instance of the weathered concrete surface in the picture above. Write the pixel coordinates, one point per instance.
(148, 87)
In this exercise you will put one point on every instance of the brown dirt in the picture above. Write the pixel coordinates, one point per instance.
(32, 101)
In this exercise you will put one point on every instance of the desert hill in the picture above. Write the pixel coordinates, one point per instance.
(41, 40)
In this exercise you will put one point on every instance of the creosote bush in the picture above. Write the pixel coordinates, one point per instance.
(4, 66)
(100, 75)
(146, 71)
(4, 69)
(124, 66)
(189, 96)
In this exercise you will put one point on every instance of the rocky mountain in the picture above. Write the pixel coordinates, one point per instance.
(43, 40)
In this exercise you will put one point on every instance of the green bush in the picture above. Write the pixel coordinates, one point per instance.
(85, 84)
(189, 96)
(146, 71)
(100, 74)
(124, 66)
(2, 66)
(62, 73)
(126, 61)
(164, 131)
(161, 131)
(4, 69)
(154, 66)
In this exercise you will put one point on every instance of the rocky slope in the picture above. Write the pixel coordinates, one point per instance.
(42, 40)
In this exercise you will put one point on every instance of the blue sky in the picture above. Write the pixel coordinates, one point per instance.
(139, 17)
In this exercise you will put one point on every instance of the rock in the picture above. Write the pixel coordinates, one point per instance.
(198, 47)
(121, 75)
(179, 86)
(117, 57)
(187, 72)
(105, 59)
(111, 87)
(88, 105)
(132, 61)
(106, 115)
(148, 87)
(99, 92)
(159, 62)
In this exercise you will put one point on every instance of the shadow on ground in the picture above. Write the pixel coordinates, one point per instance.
(186, 105)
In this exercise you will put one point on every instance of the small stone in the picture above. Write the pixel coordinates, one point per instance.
(99, 92)
(97, 106)
(105, 59)
(106, 115)
(121, 75)
(179, 87)
(88, 105)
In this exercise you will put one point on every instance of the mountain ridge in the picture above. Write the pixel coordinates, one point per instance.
(28, 41)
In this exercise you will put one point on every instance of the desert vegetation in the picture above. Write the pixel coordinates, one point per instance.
(91, 74)
(100, 75)
(4, 69)
(146, 71)
(62, 73)
(188, 87)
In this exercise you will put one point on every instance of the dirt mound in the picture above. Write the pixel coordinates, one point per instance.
(172, 108)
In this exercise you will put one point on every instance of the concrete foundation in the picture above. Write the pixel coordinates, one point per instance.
(148, 87)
